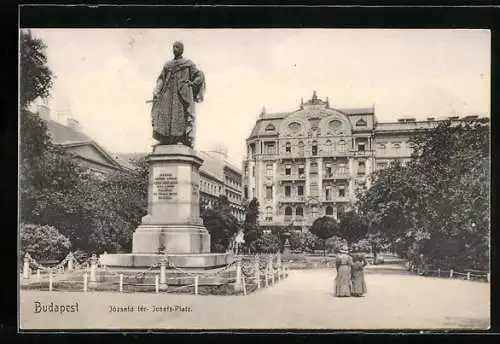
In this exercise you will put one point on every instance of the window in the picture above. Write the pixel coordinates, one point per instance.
(288, 170)
(269, 148)
(253, 171)
(288, 211)
(301, 148)
(269, 213)
(300, 190)
(341, 191)
(314, 168)
(288, 190)
(381, 165)
(270, 127)
(329, 146)
(253, 192)
(269, 192)
(301, 170)
(328, 193)
(314, 212)
(361, 147)
(288, 147)
(361, 167)
(314, 190)
(328, 169)
(396, 147)
(342, 146)
(269, 170)
(299, 211)
(329, 211)
(361, 123)
(314, 148)
(245, 192)
(342, 168)
(381, 148)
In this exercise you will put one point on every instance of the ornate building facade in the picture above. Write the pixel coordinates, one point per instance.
(314, 161)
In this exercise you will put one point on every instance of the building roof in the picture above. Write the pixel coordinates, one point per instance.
(67, 136)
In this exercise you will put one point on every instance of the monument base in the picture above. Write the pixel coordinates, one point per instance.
(185, 239)
(183, 261)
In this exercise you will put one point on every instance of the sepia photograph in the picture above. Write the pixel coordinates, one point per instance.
(250, 179)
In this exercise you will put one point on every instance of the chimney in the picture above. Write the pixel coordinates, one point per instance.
(73, 124)
(44, 112)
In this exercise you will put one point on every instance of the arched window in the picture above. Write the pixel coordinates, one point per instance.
(288, 147)
(270, 127)
(288, 211)
(361, 123)
(329, 146)
(329, 211)
(269, 213)
(299, 211)
(342, 146)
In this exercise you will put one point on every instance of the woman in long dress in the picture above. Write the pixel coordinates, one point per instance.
(343, 264)
(358, 276)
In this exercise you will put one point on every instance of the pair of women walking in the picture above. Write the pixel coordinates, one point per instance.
(350, 280)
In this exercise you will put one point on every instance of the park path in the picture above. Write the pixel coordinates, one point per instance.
(395, 300)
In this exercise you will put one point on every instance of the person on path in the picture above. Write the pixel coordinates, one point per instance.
(358, 275)
(343, 264)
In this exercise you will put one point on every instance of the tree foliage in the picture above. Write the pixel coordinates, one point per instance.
(352, 227)
(43, 242)
(439, 202)
(221, 224)
(324, 227)
(36, 76)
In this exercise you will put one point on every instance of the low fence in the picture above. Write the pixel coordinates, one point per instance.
(245, 274)
(467, 274)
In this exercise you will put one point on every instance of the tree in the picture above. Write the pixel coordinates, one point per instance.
(43, 242)
(438, 203)
(36, 77)
(252, 230)
(324, 228)
(266, 243)
(221, 224)
(352, 227)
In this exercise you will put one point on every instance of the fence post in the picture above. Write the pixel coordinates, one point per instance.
(121, 283)
(244, 285)
(237, 283)
(163, 275)
(26, 266)
(257, 271)
(278, 265)
(85, 282)
(196, 281)
(70, 262)
(271, 269)
(50, 279)
(38, 277)
(93, 271)
(451, 273)
(157, 284)
(468, 276)
(266, 274)
(488, 277)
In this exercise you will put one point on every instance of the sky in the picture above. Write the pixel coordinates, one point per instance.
(105, 76)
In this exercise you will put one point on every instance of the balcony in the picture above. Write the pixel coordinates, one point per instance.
(336, 199)
(292, 177)
(292, 199)
(336, 175)
(362, 153)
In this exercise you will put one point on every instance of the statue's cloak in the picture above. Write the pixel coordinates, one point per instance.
(173, 113)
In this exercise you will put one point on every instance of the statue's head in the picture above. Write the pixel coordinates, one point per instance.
(178, 49)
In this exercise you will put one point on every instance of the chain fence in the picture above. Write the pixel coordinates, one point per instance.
(243, 275)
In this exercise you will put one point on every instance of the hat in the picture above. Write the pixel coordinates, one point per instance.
(344, 249)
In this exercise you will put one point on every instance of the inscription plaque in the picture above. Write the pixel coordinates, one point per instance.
(165, 187)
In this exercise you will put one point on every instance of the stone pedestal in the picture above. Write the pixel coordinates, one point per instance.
(173, 227)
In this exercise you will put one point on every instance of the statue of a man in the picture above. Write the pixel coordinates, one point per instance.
(179, 86)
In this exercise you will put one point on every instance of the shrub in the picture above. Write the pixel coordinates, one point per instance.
(266, 243)
(43, 242)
